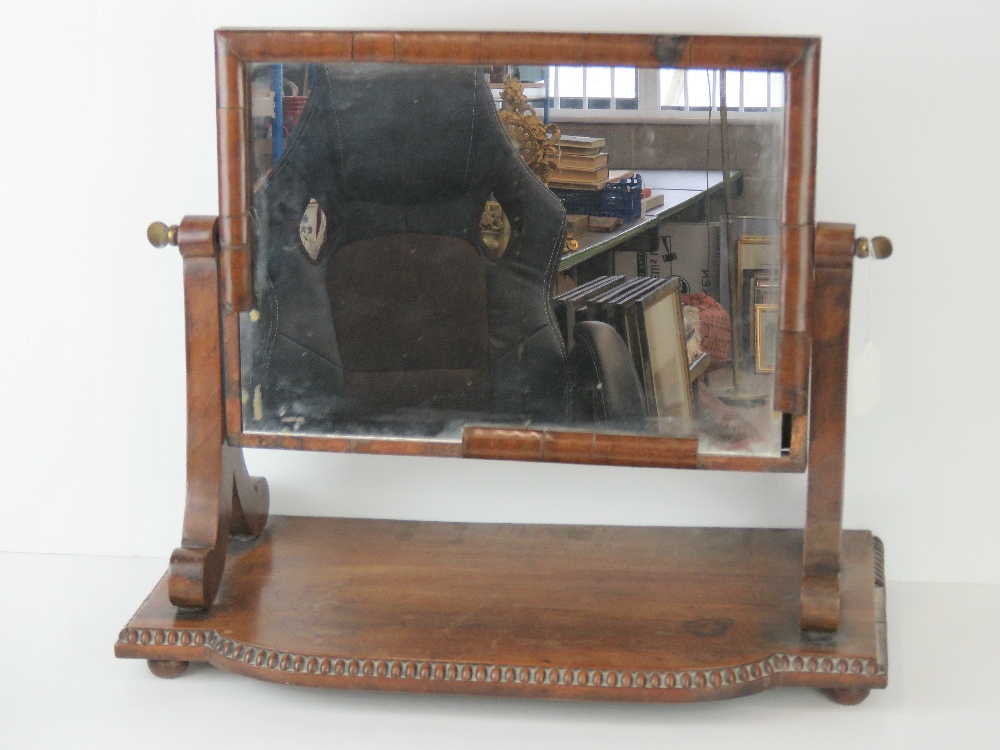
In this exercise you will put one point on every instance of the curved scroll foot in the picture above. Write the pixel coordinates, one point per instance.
(194, 577)
(167, 669)
(229, 502)
(847, 696)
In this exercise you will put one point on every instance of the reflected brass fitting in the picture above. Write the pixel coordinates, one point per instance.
(160, 235)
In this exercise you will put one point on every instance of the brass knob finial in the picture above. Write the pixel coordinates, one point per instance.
(881, 247)
(160, 235)
(877, 247)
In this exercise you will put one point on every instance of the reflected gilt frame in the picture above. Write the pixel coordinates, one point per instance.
(763, 348)
(639, 317)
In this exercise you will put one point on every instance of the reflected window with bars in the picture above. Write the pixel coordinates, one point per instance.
(696, 90)
(589, 91)
(593, 87)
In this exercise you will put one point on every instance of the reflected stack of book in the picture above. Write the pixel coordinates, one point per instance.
(580, 163)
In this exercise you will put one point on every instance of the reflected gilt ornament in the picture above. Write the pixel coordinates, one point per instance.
(312, 229)
(535, 140)
(495, 228)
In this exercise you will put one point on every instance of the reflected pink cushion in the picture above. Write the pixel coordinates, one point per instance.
(715, 327)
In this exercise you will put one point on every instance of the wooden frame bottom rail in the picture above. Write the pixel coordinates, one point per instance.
(584, 612)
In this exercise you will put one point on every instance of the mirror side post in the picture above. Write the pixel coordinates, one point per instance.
(233, 105)
(222, 498)
(791, 373)
(831, 311)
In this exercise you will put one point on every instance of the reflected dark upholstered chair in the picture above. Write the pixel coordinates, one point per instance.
(404, 310)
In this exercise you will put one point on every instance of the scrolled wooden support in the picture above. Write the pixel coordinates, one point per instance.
(251, 500)
(222, 498)
(831, 304)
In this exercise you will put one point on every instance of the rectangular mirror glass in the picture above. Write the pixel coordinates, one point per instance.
(589, 248)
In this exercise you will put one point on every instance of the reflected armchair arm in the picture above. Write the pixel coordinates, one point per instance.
(605, 385)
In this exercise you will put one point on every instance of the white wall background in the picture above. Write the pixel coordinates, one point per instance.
(108, 122)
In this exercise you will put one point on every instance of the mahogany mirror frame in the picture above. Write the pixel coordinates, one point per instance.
(797, 57)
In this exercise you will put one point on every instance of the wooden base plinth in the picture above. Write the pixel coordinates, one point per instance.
(593, 612)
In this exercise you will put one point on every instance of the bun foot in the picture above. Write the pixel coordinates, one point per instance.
(167, 669)
(847, 696)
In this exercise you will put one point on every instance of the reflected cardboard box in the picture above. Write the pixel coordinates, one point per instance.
(687, 250)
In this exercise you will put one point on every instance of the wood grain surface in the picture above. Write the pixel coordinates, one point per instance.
(610, 613)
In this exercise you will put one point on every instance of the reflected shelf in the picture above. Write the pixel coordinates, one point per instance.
(681, 189)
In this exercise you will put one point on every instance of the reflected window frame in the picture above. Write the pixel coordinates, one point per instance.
(648, 103)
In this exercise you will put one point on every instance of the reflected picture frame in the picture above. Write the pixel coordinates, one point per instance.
(765, 336)
(654, 321)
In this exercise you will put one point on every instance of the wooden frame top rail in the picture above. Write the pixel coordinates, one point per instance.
(497, 47)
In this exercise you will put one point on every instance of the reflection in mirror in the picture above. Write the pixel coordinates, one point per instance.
(575, 247)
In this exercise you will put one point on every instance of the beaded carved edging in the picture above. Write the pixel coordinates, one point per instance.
(165, 637)
(402, 669)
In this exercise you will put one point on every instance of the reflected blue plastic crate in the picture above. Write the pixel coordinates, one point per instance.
(622, 199)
